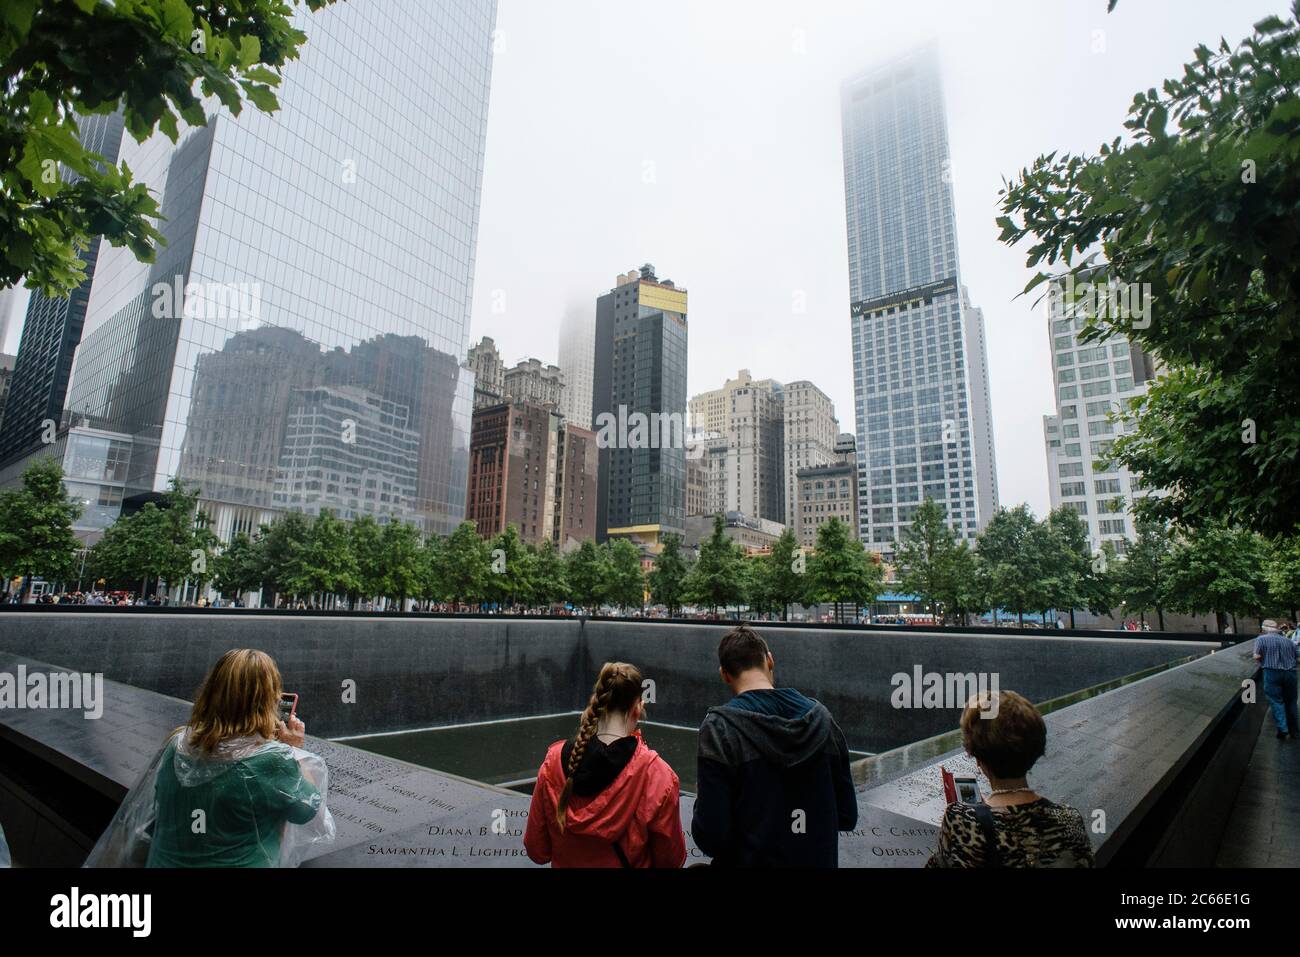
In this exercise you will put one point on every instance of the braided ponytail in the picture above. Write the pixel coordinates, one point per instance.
(617, 689)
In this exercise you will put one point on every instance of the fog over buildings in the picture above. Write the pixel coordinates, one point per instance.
(705, 137)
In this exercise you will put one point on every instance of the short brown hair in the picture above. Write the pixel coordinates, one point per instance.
(1008, 743)
(741, 649)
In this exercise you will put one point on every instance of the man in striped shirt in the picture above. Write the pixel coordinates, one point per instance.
(1277, 654)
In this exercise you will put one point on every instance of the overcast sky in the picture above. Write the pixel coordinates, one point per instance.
(704, 136)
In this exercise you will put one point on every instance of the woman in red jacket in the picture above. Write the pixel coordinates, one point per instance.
(604, 799)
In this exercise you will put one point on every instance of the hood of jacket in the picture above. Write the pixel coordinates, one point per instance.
(733, 734)
(194, 767)
(608, 811)
(601, 763)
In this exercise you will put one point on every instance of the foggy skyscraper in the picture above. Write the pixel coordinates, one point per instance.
(920, 376)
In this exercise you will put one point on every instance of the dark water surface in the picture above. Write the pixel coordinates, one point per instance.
(503, 752)
(508, 752)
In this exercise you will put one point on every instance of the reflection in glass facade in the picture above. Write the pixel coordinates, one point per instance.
(294, 346)
(53, 327)
(95, 467)
(920, 374)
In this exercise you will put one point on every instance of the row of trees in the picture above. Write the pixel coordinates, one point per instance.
(325, 560)
(1019, 563)
(1026, 565)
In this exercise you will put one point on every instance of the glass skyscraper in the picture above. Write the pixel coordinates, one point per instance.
(296, 345)
(920, 373)
(53, 327)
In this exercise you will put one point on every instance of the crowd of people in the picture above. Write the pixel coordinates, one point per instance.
(774, 784)
(122, 599)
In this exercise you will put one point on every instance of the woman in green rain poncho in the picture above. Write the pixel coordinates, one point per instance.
(233, 788)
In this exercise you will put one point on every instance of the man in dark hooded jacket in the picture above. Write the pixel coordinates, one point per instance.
(774, 786)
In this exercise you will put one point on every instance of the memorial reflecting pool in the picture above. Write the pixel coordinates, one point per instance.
(509, 752)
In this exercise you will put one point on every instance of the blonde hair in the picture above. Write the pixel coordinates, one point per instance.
(240, 696)
(1008, 742)
(617, 689)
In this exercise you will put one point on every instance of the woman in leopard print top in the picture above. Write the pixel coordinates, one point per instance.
(1005, 735)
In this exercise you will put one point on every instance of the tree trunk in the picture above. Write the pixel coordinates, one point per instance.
(1072, 625)
(1160, 615)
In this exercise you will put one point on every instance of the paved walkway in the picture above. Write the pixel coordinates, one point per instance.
(1264, 829)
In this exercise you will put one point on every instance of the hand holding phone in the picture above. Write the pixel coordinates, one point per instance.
(291, 731)
(960, 788)
(968, 790)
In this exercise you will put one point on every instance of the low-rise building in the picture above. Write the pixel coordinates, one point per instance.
(756, 535)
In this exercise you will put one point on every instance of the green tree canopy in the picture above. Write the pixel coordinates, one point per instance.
(962, 586)
(1076, 578)
(784, 573)
(668, 577)
(127, 554)
(1141, 579)
(1283, 576)
(587, 569)
(167, 541)
(1192, 215)
(282, 544)
(327, 565)
(238, 568)
(626, 575)
(925, 553)
(840, 570)
(511, 566)
(717, 578)
(187, 545)
(464, 565)
(368, 549)
(36, 538)
(550, 581)
(1217, 569)
(430, 586)
(153, 59)
(1012, 549)
(403, 566)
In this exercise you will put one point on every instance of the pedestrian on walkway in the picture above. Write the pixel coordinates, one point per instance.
(1277, 655)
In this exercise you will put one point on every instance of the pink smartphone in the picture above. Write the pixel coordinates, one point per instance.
(288, 706)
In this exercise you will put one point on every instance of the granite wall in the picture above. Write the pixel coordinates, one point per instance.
(411, 672)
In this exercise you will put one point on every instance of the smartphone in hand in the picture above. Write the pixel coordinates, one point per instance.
(288, 706)
(960, 789)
